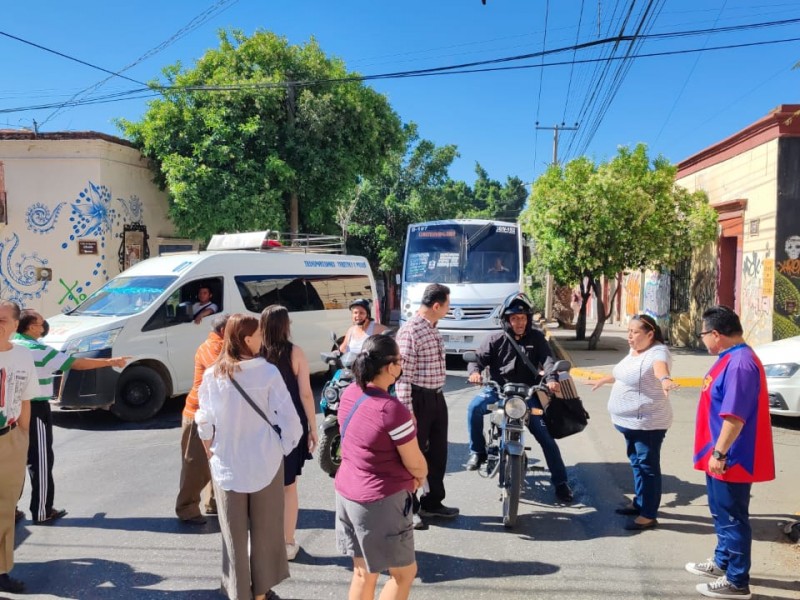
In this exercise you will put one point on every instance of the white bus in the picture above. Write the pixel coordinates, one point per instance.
(482, 262)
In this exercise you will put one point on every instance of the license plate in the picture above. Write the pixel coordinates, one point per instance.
(458, 339)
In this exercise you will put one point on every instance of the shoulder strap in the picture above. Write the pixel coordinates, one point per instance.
(363, 397)
(255, 406)
(201, 309)
(526, 361)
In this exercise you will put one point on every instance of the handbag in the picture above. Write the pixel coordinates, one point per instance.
(564, 415)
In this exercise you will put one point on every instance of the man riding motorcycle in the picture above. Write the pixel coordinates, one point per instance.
(505, 365)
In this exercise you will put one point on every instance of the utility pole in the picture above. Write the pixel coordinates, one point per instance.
(548, 293)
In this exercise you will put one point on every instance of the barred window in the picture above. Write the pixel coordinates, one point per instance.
(680, 283)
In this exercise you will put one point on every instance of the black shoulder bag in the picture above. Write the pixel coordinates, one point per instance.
(563, 416)
(255, 406)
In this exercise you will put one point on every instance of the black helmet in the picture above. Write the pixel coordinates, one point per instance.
(517, 304)
(363, 303)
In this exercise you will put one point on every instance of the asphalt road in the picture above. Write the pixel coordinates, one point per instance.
(121, 539)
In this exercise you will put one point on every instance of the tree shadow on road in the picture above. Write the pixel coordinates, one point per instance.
(98, 579)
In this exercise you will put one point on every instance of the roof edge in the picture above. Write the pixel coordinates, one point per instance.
(21, 134)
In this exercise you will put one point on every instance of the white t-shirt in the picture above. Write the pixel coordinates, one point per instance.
(18, 382)
(197, 308)
(247, 451)
(637, 399)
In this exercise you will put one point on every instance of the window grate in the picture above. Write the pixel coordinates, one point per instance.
(680, 284)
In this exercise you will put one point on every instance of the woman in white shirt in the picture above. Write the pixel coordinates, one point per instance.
(246, 459)
(640, 409)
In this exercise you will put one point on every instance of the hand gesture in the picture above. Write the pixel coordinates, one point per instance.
(475, 378)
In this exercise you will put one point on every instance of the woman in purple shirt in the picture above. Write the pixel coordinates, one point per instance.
(381, 466)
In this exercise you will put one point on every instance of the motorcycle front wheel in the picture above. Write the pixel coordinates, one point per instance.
(513, 487)
(330, 457)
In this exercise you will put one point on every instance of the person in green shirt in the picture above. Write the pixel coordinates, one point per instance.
(47, 361)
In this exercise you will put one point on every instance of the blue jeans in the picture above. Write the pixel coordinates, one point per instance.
(644, 453)
(729, 504)
(477, 443)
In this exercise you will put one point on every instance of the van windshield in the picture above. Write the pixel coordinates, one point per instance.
(124, 296)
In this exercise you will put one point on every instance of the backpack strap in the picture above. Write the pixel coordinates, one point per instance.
(363, 397)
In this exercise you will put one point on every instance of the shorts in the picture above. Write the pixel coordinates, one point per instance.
(294, 461)
(380, 532)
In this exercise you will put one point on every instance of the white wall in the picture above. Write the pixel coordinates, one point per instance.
(61, 192)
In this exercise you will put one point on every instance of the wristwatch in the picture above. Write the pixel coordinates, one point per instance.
(719, 455)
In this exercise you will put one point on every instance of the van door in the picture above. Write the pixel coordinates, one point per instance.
(183, 337)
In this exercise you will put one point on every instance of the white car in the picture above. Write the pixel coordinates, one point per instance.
(781, 361)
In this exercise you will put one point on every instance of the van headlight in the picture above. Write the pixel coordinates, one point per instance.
(781, 370)
(515, 407)
(93, 342)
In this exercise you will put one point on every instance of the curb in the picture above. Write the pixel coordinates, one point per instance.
(561, 353)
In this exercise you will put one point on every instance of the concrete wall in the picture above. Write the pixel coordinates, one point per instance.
(64, 195)
(750, 176)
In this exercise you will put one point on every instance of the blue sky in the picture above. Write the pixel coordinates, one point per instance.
(676, 104)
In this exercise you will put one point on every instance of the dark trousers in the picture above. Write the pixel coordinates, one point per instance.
(40, 459)
(729, 504)
(430, 411)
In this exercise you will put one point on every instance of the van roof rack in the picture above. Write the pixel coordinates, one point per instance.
(276, 241)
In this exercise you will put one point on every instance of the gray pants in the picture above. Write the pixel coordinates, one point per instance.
(257, 517)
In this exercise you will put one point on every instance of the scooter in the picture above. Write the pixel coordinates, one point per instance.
(505, 436)
(329, 452)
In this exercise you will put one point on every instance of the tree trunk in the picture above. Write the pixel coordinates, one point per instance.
(294, 214)
(601, 315)
(580, 324)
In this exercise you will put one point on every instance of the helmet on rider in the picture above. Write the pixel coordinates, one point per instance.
(363, 303)
(517, 304)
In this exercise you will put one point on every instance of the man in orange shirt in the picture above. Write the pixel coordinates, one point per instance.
(195, 474)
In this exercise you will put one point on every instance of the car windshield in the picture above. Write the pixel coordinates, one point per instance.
(124, 296)
(456, 253)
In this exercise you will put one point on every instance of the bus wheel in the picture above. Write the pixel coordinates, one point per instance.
(140, 394)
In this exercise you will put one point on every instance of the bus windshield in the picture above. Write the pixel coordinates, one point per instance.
(124, 296)
(463, 253)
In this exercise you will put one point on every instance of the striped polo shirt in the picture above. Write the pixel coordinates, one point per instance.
(637, 400)
(47, 361)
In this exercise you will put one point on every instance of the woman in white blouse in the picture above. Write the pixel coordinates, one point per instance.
(246, 459)
(641, 411)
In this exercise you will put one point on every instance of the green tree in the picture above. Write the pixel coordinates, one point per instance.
(412, 186)
(279, 148)
(494, 200)
(590, 220)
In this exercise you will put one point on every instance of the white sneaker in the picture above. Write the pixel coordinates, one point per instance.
(708, 568)
(722, 588)
(291, 550)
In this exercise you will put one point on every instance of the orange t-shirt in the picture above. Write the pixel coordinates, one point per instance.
(205, 356)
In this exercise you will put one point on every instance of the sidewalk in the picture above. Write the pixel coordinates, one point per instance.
(689, 366)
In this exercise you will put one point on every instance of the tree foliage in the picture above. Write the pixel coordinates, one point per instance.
(234, 160)
(591, 219)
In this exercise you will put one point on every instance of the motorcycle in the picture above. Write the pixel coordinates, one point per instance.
(329, 452)
(505, 435)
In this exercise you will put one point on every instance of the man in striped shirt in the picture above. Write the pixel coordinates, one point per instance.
(195, 473)
(420, 389)
(40, 447)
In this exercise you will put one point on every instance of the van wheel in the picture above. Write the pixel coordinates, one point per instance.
(140, 394)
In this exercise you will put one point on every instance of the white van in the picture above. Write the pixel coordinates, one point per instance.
(146, 312)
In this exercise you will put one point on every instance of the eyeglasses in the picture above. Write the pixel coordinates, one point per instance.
(702, 333)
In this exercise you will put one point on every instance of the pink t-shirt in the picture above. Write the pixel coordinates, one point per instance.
(371, 467)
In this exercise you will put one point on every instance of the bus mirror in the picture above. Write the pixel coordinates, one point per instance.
(397, 278)
(528, 280)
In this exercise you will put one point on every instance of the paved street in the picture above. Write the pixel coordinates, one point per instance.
(121, 540)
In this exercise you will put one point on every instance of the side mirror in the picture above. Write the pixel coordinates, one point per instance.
(562, 365)
(397, 279)
(471, 357)
(184, 313)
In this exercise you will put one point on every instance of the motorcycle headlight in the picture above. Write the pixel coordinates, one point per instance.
(784, 370)
(89, 343)
(330, 394)
(515, 407)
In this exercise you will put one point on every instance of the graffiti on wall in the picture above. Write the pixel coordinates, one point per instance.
(656, 297)
(786, 316)
(92, 214)
(633, 292)
(756, 302)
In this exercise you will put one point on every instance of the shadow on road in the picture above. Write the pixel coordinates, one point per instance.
(102, 420)
(149, 524)
(98, 579)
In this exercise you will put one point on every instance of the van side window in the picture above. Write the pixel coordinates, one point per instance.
(170, 314)
(301, 293)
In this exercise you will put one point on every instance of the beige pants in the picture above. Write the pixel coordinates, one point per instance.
(195, 474)
(13, 456)
(257, 517)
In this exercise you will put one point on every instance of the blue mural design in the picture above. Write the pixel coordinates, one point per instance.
(40, 219)
(18, 273)
(91, 214)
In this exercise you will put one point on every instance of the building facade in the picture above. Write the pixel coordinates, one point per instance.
(76, 208)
